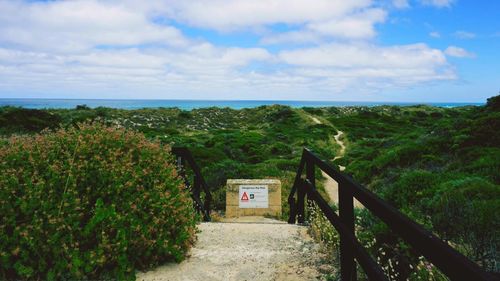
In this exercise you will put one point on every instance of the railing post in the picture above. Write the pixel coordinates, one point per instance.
(197, 190)
(293, 211)
(179, 163)
(311, 177)
(183, 159)
(346, 213)
(207, 208)
(301, 193)
(181, 168)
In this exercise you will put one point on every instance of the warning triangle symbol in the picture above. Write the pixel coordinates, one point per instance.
(244, 197)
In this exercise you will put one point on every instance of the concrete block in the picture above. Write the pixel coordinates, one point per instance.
(253, 197)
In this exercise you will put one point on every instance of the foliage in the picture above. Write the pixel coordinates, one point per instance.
(493, 103)
(439, 166)
(466, 212)
(323, 231)
(91, 202)
(20, 120)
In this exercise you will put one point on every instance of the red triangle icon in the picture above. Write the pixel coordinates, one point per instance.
(244, 197)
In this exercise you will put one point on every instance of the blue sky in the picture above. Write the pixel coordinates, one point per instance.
(358, 50)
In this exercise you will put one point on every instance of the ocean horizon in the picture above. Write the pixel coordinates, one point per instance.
(193, 104)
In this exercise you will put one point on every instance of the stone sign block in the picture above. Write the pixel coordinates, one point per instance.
(253, 197)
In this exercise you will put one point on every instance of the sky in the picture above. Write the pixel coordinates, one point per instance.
(330, 50)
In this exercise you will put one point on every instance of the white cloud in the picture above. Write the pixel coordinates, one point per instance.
(458, 52)
(438, 3)
(308, 21)
(199, 69)
(360, 25)
(79, 25)
(364, 55)
(130, 49)
(361, 67)
(226, 15)
(298, 36)
(205, 71)
(464, 35)
(435, 34)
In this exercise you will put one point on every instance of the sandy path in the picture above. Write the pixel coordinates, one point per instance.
(258, 249)
(342, 147)
(331, 186)
(315, 120)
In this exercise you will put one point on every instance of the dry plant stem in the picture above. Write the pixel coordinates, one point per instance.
(67, 179)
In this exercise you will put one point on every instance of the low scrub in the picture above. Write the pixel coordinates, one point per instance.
(22, 120)
(90, 202)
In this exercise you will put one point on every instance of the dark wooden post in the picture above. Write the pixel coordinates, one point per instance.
(207, 208)
(346, 212)
(311, 177)
(179, 163)
(197, 189)
(293, 210)
(301, 193)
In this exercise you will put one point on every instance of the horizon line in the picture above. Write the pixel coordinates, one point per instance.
(241, 100)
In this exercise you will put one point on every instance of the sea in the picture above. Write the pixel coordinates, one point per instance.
(192, 104)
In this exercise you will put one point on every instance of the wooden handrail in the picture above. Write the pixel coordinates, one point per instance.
(452, 263)
(184, 156)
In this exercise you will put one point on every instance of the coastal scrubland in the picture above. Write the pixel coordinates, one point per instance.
(439, 166)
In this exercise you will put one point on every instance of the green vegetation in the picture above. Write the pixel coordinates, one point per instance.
(91, 202)
(19, 120)
(263, 142)
(437, 165)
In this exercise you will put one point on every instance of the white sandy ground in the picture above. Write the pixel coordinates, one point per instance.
(331, 186)
(249, 248)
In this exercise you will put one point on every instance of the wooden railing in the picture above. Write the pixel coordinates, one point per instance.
(183, 157)
(448, 260)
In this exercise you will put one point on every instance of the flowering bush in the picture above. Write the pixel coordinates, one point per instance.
(91, 202)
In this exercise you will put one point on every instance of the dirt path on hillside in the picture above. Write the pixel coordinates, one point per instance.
(247, 249)
(331, 186)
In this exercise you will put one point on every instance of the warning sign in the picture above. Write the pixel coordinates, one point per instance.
(254, 196)
(245, 197)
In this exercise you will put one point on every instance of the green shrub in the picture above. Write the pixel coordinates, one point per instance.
(89, 203)
(493, 103)
(466, 212)
(21, 120)
(411, 188)
(486, 130)
(82, 107)
(185, 115)
(280, 148)
(313, 110)
(277, 113)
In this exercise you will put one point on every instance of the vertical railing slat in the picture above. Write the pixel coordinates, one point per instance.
(301, 194)
(346, 214)
(311, 178)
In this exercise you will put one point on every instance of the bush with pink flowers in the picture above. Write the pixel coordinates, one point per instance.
(91, 202)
